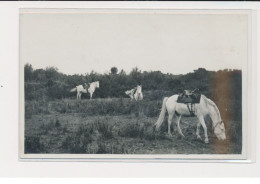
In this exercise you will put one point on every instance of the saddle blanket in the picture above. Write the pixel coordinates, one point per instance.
(189, 99)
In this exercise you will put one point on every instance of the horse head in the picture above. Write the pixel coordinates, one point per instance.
(128, 92)
(219, 130)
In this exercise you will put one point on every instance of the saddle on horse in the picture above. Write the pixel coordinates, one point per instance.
(85, 86)
(189, 98)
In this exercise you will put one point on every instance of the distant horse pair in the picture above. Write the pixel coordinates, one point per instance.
(85, 89)
(135, 93)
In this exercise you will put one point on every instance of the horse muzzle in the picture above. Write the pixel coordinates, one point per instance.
(222, 138)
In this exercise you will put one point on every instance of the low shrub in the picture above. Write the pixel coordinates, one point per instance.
(88, 138)
(142, 130)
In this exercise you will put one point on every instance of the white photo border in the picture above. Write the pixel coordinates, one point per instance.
(247, 91)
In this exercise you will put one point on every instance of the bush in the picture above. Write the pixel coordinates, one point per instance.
(88, 138)
(142, 130)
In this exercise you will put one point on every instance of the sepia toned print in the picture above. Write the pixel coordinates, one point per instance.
(132, 83)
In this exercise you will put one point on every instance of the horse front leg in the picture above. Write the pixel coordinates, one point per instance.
(77, 96)
(198, 130)
(178, 125)
(141, 96)
(202, 122)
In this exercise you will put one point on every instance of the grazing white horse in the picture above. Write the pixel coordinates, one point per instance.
(202, 109)
(135, 93)
(130, 93)
(80, 89)
(138, 93)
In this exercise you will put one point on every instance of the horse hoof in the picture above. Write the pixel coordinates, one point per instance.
(198, 137)
(206, 141)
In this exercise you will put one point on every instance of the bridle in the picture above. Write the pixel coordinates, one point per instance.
(218, 123)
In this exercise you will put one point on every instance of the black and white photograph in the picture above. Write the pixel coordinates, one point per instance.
(133, 83)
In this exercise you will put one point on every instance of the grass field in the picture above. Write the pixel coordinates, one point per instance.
(117, 126)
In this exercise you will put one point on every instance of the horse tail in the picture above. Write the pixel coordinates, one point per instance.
(162, 114)
(73, 90)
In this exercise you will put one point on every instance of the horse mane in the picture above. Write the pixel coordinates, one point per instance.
(211, 103)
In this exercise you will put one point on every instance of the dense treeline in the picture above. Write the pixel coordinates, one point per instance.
(223, 86)
(51, 84)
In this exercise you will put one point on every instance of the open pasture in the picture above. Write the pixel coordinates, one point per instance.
(116, 126)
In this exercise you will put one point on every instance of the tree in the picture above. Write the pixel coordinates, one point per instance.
(122, 72)
(28, 72)
(114, 70)
(39, 75)
(51, 73)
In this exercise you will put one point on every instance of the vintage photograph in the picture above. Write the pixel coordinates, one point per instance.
(132, 82)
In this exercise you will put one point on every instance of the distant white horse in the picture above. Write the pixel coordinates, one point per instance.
(135, 93)
(138, 93)
(80, 89)
(202, 109)
(130, 93)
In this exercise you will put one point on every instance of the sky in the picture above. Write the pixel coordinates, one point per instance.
(77, 43)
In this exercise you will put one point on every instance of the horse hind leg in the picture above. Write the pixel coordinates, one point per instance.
(178, 125)
(169, 124)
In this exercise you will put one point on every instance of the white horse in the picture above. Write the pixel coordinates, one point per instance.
(138, 93)
(135, 93)
(202, 109)
(130, 93)
(80, 89)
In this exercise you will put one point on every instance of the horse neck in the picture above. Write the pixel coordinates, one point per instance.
(92, 87)
(213, 111)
